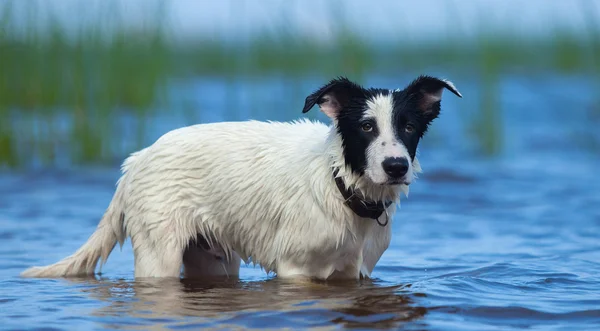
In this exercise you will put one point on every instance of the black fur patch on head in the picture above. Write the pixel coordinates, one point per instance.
(410, 125)
(337, 94)
(347, 102)
(355, 140)
(414, 108)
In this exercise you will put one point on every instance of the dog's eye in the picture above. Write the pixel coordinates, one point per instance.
(409, 128)
(367, 127)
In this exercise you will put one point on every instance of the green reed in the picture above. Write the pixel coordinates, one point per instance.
(49, 76)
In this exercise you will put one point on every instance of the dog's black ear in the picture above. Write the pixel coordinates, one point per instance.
(427, 92)
(333, 97)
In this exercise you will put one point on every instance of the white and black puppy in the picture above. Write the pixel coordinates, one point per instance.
(301, 199)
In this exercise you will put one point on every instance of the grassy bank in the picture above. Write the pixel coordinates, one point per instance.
(91, 78)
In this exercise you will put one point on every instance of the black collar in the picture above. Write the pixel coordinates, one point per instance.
(360, 206)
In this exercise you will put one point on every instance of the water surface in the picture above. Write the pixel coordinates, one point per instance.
(482, 243)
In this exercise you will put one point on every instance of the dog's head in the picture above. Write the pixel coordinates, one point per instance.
(379, 128)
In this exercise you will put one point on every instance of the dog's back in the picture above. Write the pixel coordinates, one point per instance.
(236, 183)
(188, 180)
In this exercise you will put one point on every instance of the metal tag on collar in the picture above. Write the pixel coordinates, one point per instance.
(387, 218)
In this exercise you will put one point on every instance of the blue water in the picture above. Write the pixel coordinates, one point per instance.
(503, 242)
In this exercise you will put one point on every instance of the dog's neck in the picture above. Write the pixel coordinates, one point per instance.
(363, 185)
(359, 205)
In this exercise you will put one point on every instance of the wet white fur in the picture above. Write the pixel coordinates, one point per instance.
(386, 145)
(263, 191)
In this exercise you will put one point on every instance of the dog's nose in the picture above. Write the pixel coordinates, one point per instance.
(395, 167)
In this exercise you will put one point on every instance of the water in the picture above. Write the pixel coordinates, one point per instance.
(483, 243)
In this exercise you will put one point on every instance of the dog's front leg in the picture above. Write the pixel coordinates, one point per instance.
(374, 249)
(349, 268)
(288, 269)
(343, 267)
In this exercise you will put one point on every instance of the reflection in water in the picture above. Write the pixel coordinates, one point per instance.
(230, 302)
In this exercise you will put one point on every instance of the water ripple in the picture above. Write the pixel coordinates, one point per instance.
(485, 246)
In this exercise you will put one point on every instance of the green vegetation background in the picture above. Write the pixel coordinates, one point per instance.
(106, 70)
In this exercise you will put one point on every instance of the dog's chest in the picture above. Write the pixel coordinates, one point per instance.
(331, 257)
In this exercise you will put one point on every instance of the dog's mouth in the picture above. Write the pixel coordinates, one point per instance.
(397, 182)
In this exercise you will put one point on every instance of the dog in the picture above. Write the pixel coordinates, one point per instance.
(300, 199)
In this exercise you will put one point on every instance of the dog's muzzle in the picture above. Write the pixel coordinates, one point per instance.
(395, 167)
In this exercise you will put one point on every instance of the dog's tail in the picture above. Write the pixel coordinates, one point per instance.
(99, 245)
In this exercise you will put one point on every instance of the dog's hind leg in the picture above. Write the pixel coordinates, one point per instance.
(162, 258)
(202, 261)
